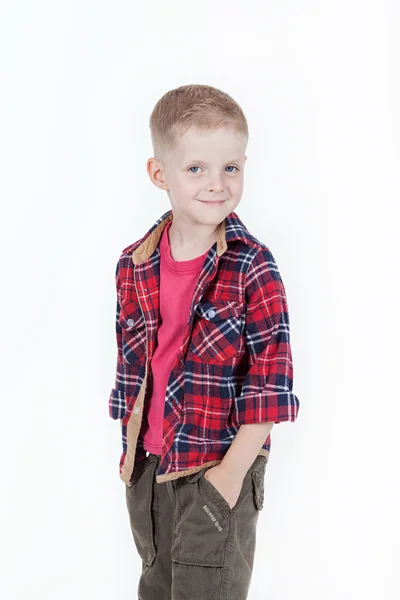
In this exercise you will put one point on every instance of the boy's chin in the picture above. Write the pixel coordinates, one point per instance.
(208, 214)
(213, 214)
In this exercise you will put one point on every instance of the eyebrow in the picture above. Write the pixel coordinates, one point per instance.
(196, 160)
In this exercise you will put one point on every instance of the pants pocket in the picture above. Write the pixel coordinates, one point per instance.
(258, 489)
(202, 524)
(139, 500)
(258, 476)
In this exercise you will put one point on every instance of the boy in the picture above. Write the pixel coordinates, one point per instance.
(204, 364)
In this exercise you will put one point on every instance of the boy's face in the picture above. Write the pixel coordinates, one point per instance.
(203, 168)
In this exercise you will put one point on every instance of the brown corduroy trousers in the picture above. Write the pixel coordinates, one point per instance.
(193, 545)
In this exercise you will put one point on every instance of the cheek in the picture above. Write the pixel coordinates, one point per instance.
(236, 186)
(187, 188)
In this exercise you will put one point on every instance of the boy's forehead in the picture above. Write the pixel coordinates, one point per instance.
(199, 137)
(200, 145)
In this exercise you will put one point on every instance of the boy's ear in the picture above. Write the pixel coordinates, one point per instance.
(156, 173)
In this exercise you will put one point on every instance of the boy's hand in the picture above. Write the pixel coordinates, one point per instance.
(228, 485)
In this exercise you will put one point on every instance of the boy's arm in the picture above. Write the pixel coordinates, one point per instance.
(266, 396)
(117, 401)
(244, 448)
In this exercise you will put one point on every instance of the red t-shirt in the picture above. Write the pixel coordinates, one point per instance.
(177, 282)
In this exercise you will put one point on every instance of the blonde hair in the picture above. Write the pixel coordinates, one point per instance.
(202, 106)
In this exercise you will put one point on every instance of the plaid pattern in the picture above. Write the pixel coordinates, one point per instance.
(234, 365)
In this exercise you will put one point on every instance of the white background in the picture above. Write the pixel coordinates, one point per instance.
(319, 84)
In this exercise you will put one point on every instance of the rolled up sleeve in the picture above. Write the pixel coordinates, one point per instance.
(116, 400)
(267, 390)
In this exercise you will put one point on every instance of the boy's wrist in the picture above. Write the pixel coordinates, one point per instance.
(245, 448)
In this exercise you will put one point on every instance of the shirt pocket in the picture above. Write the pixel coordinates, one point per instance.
(133, 328)
(217, 330)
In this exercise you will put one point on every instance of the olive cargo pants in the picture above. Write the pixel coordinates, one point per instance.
(193, 545)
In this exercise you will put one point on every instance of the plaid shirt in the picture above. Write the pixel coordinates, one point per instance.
(234, 365)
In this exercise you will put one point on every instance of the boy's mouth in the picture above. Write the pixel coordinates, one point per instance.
(212, 201)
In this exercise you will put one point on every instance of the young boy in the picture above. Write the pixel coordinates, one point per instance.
(204, 364)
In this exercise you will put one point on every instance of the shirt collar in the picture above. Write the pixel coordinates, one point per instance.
(230, 229)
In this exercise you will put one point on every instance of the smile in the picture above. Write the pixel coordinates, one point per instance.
(212, 201)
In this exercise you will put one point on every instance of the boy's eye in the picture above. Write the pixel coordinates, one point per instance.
(197, 167)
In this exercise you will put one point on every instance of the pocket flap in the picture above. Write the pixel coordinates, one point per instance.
(217, 311)
(258, 489)
(130, 316)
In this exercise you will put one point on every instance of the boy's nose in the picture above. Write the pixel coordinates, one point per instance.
(216, 188)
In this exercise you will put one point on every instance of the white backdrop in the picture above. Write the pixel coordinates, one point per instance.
(319, 84)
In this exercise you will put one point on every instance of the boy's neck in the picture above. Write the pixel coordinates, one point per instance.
(189, 242)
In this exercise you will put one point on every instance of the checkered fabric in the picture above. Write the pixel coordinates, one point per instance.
(234, 365)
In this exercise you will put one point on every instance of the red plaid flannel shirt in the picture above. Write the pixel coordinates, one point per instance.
(234, 365)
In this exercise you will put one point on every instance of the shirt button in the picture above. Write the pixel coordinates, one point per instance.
(136, 410)
(130, 322)
(211, 313)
